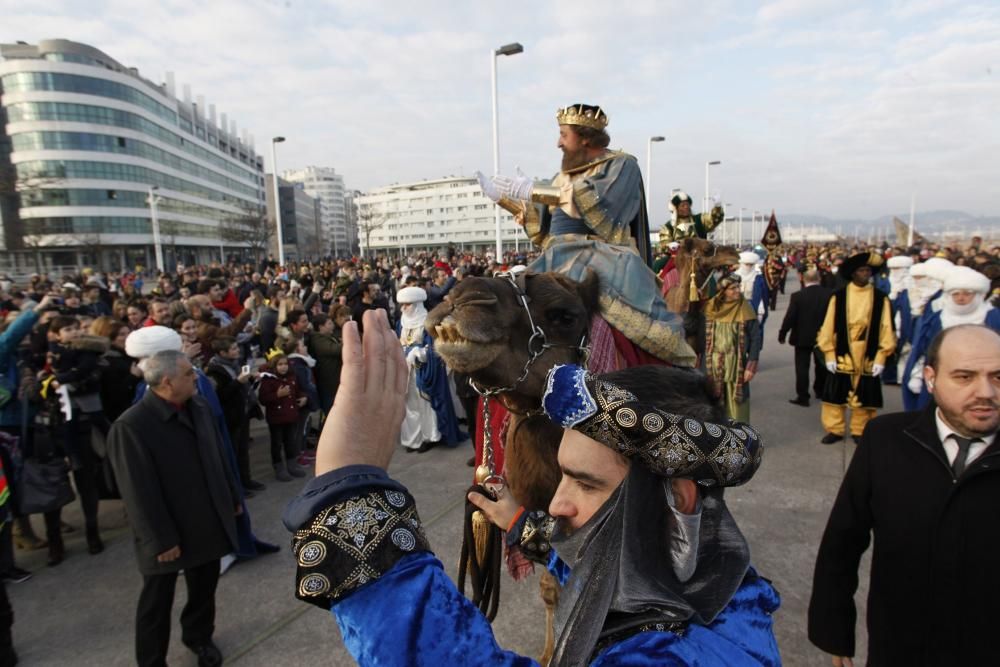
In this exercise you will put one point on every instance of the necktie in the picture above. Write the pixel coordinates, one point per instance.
(958, 465)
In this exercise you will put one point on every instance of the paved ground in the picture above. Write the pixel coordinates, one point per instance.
(81, 612)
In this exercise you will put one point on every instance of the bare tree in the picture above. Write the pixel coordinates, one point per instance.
(250, 228)
(21, 233)
(368, 222)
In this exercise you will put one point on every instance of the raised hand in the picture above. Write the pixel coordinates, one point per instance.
(363, 426)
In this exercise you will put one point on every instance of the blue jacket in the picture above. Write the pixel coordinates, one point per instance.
(11, 414)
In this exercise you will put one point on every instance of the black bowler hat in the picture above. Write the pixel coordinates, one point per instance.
(855, 262)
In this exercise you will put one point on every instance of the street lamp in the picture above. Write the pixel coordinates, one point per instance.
(726, 224)
(649, 165)
(704, 205)
(505, 50)
(740, 241)
(277, 201)
(153, 199)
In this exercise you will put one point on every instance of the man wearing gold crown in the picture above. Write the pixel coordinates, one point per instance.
(685, 224)
(593, 218)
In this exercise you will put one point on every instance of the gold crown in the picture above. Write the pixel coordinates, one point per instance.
(576, 115)
(272, 353)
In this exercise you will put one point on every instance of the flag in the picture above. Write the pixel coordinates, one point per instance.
(772, 235)
(903, 233)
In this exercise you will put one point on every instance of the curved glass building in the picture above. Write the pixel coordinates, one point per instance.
(91, 153)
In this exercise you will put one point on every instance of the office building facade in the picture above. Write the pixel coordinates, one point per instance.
(327, 185)
(88, 148)
(429, 215)
(301, 221)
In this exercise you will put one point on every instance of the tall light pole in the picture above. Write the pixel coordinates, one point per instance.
(153, 199)
(740, 241)
(753, 238)
(505, 50)
(727, 223)
(704, 206)
(277, 200)
(649, 167)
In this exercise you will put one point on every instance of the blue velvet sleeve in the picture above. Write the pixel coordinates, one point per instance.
(742, 635)
(414, 615)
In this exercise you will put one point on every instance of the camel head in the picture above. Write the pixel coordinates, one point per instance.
(709, 256)
(483, 329)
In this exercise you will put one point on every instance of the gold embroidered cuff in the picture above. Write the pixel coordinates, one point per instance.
(546, 194)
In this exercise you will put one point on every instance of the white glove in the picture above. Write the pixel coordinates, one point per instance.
(518, 187)
(915, 385)
(487, 186)
(831, 366)
(877, 369)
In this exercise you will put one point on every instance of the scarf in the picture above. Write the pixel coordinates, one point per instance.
(620, 578)
(974, 312)
(231, 366)
(310, 362)
(414, 318)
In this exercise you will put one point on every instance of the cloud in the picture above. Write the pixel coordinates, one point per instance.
(802, 100)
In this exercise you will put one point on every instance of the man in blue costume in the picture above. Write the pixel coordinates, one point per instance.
(963, 301)
(665, 581)
(593, 218)
(430, 413)
(753, 284)
(902, 315)
(144, 343)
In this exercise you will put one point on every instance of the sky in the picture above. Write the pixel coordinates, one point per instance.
(828, 107)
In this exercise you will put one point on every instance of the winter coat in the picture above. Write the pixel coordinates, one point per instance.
(279, 409)
(118, 384)
(327, 350)
(304, 378)
(175, 478)
(10, 339)
(934, 580)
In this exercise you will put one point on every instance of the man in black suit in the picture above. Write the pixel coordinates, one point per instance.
(803, 319)
(182, 498)
(924, 488)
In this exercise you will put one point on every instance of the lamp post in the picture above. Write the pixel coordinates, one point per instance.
(277, 201)
(739, 242)
(726, 224)
(505, 50)
(754, 228)
(649, 166)
(704, 206)
(153, 199)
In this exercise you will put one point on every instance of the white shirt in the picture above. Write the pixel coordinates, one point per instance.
(945, 432)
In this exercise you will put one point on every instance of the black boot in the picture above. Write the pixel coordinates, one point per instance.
(94, 543)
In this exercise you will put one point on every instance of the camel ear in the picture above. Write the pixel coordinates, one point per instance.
(589, 290)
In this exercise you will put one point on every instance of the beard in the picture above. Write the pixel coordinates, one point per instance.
(574, 159)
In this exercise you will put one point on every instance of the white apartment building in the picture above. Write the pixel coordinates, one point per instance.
(325, 184)
(428, 215)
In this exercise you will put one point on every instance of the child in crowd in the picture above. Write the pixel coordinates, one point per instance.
(282, 399)
(302, 365)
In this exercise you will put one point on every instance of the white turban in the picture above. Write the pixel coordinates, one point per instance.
(411, 295)
(937, 268)
(144, 343)
(899, 262)
(964, 278)
(749, 258)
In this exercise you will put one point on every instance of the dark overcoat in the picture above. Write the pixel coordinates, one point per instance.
(805, 314)
(934, 578)
(176, 482)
